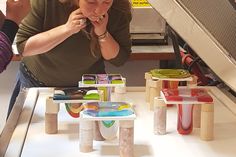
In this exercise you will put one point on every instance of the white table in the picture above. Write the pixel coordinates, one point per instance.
(30, 139)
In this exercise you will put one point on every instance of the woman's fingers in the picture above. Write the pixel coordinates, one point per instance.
(100, 25)
(76, 21)
(16, 10)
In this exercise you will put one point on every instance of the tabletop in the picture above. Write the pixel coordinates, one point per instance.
(29, 138)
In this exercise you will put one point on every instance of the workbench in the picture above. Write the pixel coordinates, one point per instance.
(30, 140)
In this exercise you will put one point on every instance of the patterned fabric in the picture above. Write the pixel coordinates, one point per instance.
(6, 53)
(187, 94)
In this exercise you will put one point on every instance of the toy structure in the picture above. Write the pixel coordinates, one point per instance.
(158, 79)
(189, 116)
(66, 95)
(186, 97)
(103, 111)
(98, 115)
(105, 83)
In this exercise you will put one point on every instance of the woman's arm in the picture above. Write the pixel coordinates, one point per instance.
(45, 41)
(119, 32)
(109, 47)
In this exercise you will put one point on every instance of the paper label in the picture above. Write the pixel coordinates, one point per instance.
(140, 3)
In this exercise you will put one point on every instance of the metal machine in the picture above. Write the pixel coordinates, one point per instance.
(209, 29)
(147, 26)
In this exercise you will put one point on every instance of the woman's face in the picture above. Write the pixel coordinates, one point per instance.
(94, 9)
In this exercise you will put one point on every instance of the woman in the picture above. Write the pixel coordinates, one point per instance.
(60, 40)
(15, 12)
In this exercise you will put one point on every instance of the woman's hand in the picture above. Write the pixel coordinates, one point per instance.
(17, 10)
(100, 26)
(76, 22)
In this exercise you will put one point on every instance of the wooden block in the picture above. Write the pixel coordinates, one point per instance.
(159, 102)
(127, 123)
(51, 124)
(197, 115)
(155, 88)
(193, 83)
(126, 139)
(86, 136)
(148, 76)
(156, 84)
(120, 89)
(207, 122)
(153, 94)
(207, 107)
(119, 97)
(160, 109)
(51, 107)
(85, 148)
(119, 94)
(147, 91)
